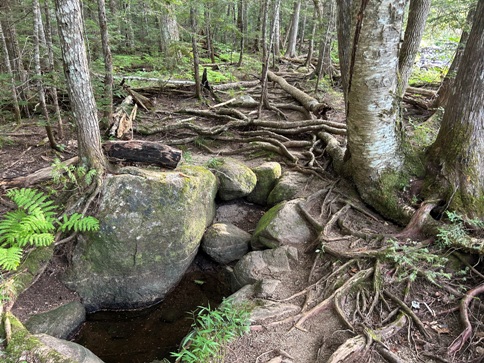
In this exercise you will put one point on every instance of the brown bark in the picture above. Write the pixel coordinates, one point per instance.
(417, 17)
(456, 156)
(143, 151)
(15, 104)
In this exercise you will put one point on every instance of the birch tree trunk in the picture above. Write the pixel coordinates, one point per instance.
(292, 41)
(78, 81)
(456, 157)
(374, 154)
(417, 17)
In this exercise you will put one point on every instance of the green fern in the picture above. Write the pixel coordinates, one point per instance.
(34, 223)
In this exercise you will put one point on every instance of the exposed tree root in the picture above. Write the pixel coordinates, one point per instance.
(459, 342)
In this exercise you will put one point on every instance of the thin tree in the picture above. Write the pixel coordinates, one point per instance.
(83, 105)
(13, 89)
(417, 17)
(196, 60)
(38, 28)
(108, 64)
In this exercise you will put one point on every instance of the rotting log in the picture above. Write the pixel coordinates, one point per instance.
(122, 127)
(309, 103)
(143, 151)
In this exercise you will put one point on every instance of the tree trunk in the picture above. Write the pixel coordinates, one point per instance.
(374, 156)
(78, 81)
(15, 104)
(108, 64)
(51, 69)
(344, 22)
(292, 42)
(456, 156)
(196, 60)
(242, 26)
(417, 17)
(444, 90)
(38, 73)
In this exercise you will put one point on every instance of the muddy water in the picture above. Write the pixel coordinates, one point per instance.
(145, 335)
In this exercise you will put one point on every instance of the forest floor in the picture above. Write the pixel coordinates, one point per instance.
(351, 296)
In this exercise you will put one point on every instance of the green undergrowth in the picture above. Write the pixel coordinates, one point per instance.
(212, 330)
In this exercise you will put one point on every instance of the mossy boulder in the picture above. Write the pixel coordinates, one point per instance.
(151, 225)
(282, 225)
(236, 179)
(42, 348)
(267, 175)
(59, 322)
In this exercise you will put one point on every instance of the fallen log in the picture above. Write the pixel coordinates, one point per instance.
(309, 103)
(143, 151)
(122, 126)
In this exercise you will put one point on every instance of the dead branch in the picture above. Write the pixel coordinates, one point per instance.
(459, 342)
(38, 176)
(308, 102)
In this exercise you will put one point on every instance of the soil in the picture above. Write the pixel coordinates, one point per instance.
(278, 340)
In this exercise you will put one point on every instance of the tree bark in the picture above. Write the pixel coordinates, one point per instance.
(108, 64)
(344, 20)
(374, 153)
(292, 42)
(456, 156)
(78, 81)
(417, 17)
(444, 90)
(196, 61)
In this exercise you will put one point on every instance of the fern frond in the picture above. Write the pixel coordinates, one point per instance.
(78, 223)
(39, 239)
(32, 201)
(10, 257)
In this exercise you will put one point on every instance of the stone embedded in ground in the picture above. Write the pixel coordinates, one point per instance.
(287, 187)
(59, 322)
(77, 353)
(225, 242)
(151, 227)
(267, 175)
(282, 225)
(271, 311)
(259, 265)
(236, 179)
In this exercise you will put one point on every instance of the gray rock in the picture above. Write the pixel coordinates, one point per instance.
(259, 265)
(151, 227)
(271, 311)
(71, 350)
(59, 322)
(236, 179)
(225, 242)
(287, 187)
(267, 175)
(282, 225)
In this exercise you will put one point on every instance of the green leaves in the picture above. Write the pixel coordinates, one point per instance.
(34, 223)
(212, 329)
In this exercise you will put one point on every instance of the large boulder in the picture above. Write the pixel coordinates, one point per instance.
(225, 242)
(151, 227)
(236, 179)
(267, 175)
(282, 225)
(59, 322)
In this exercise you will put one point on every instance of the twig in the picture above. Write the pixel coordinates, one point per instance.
(409, 312)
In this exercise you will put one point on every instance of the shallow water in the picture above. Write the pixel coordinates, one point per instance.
(142, 336)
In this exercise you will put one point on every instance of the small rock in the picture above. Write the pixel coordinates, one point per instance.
(225, 242)
(267, 176)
